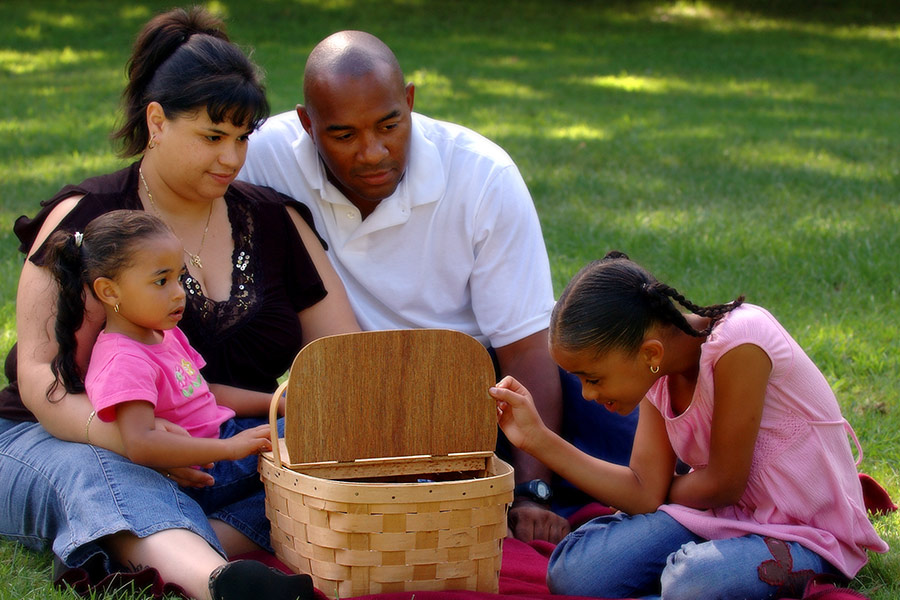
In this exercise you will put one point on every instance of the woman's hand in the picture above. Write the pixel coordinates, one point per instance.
(184, 476)
(516, 413)
(169, 426)
(164, 425)
(189, 476)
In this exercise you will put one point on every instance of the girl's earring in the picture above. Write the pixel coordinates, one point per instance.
(654, 369)
(116, 308)
(152, 144)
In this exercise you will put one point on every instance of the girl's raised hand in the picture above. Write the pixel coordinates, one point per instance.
(516, 413)
(250, 441)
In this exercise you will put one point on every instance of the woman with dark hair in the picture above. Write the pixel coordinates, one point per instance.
(259, 286)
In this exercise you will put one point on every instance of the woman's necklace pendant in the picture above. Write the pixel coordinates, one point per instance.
(195, 259)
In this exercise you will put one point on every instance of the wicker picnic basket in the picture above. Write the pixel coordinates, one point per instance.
(386, 480)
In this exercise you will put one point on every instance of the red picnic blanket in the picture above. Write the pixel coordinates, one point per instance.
(522, 573)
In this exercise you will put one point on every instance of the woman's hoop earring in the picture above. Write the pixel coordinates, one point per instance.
(654, 369)
(116, 307)
(152, 143)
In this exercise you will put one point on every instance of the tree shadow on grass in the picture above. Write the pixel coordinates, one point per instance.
(833, 12)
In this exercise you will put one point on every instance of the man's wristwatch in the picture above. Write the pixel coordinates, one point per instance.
(536, 490)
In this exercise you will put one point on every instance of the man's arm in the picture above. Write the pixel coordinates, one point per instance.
(528, 360)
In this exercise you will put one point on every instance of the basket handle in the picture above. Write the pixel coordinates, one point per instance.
(273, 423)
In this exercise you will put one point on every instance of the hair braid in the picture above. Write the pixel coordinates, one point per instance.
(676, 317)
(611, 303)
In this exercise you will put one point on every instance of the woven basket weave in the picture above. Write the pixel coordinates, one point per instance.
(398, 516)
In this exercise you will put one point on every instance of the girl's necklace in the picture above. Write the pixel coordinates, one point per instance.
(194, 258)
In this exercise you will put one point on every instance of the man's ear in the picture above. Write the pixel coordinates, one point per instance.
(410, 95)
(106, 290)
(305, 121)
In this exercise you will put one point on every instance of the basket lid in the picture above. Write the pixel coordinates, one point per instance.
(382, 394)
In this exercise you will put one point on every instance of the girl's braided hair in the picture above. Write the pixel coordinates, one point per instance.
(611, 303)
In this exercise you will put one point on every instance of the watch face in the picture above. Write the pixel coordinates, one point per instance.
(537, 490)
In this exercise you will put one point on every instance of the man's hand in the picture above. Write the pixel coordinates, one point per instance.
(532, 521)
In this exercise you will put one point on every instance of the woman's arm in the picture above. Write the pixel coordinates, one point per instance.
(740, 378)
(329, 316)
(332, 314)
(146, 445)
(639, 487)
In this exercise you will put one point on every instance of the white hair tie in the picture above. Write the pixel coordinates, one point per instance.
(79, 237)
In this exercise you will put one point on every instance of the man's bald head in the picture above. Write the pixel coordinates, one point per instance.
(349, 54)
(358, 114)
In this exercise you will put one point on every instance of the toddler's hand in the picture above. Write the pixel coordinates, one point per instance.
(250, 441)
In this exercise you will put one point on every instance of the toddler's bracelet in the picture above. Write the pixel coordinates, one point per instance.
(87, 426)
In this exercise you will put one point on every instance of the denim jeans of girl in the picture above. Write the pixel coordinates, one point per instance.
(652, 556)
(237, 498)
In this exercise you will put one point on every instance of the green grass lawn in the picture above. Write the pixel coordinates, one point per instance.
(731, 147)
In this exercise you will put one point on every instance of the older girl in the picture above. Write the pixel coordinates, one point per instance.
(773, 496)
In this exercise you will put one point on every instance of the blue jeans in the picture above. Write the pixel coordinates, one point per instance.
(653, 556)
(69, 496)
(237, 498)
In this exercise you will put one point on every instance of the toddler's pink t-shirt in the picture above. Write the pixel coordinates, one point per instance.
(167, 375)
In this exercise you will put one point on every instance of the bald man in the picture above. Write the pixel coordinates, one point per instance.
(430, 225)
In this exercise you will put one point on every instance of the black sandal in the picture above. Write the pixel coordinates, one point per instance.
(250, 580)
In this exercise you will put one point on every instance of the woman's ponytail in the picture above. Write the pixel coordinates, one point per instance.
(159, 39)
(184, 60)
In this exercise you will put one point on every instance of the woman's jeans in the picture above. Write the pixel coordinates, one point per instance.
(653, 556)
(70, 495)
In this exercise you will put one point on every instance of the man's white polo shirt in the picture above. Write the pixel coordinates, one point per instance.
(458, 245)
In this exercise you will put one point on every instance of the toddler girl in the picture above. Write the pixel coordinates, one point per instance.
(142, 366)
(142, 369)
